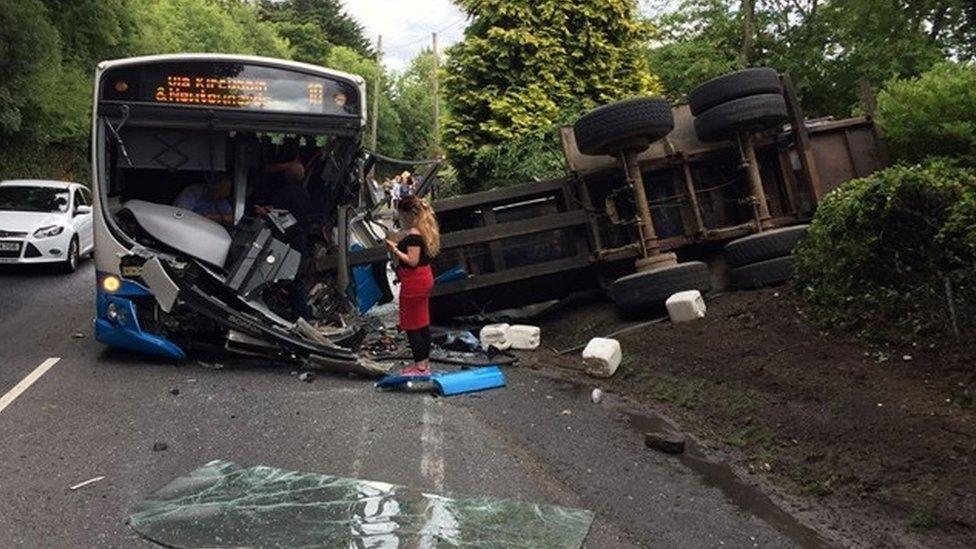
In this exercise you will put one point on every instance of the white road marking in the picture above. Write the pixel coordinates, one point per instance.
(432, 443)
(86, 483)
(18, 389)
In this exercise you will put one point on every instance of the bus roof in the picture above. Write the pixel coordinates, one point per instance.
(283, 63)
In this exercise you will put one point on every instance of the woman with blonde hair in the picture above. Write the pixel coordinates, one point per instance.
(421, 241)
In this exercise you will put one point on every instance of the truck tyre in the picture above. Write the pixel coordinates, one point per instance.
(746, 114)
(762, 246)
(733, 86)
(645, 290)
(628, 125)
(763, 273)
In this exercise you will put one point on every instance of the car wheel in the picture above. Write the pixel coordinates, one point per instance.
(641, 291)
(763, 273)
(628, 125)
(762, 246)
(73, 258)
(733, 86)
(746, 114)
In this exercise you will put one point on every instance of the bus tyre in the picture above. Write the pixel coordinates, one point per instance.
(643, 291)
(733, 86)
(71, 261)
(746, 114)
(762, 246)
(763, 273)
(628, 125)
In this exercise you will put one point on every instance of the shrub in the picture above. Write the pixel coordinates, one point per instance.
(523, 159)
(880, 250)
(932, 115)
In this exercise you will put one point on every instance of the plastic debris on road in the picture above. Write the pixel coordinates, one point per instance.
(450, 383)
(602, 357)
(686, 306)
(523, 337)
(224, 505)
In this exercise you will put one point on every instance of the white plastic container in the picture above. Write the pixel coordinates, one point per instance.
(686, 306)
(602, 356)
(523, 337)
(495, 335)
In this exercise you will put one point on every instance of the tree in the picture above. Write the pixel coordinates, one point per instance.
(524, 64)
(414, 102)
(827, 45)
(29, 64)
(336, 27)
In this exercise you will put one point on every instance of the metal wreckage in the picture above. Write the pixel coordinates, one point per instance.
(647, 183)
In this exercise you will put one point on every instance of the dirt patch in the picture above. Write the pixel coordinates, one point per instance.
(882, 439)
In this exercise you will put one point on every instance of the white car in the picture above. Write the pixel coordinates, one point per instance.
(45, 222)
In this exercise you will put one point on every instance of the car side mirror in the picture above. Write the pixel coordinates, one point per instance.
(81, 210)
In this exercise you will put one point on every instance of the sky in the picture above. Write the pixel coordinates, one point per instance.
(406, 25)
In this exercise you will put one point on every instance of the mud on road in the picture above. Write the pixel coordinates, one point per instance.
(876, 445)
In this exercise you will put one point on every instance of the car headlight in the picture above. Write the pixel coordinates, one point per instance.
(48, 232)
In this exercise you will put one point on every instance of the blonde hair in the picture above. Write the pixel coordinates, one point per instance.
(423, 218)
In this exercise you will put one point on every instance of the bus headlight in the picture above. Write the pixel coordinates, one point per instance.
(112, 311)
(111, 284)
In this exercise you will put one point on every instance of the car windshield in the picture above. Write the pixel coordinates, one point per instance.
(33, 199)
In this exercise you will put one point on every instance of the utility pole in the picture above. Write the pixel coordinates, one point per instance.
(376, 90)
(437, 97)
(748, 31)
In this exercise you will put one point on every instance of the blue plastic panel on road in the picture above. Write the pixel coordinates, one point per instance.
(224, 505)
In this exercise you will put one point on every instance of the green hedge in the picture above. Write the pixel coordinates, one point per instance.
(880, 250)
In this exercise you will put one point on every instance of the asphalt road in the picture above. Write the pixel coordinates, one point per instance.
(97, 412)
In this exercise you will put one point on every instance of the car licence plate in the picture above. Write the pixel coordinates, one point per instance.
(9, 246)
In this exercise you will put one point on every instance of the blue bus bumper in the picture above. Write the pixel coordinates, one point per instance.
(117, 325)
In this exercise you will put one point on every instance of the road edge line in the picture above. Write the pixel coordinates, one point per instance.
(24, 384)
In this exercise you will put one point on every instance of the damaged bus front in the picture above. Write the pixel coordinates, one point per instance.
(194, 157)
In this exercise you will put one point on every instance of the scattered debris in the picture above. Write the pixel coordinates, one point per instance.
(523, 337)
(596, 396)
(566, 412)
(210, 365)
(602, 356)
(447, 383)
(174, 392)
(669, 443)
(86, 483)
(159, 446)
(495, 335)
(686, 306)
(307, 377)
(462, 341)
(77, 335)
(616, 333)
(907, 358)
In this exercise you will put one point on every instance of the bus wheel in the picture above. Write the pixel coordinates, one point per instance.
(70, 263)
(648, 290)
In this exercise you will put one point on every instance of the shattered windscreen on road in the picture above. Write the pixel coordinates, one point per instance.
(224, 505)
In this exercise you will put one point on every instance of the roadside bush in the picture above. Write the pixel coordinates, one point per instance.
(880, 251)
(932, 115)
(537, 155)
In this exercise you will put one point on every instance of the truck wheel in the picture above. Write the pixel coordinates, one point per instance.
(763, 273)
(746, 114)
(628, 125)
(641, 291)
(733, 86)
(762, 246)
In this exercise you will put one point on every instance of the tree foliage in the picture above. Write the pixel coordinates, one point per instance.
(524, 64)
(827, 45)
(932, 115)
(327, 18)
(29, 63)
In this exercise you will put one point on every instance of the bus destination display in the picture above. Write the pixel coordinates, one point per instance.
(231, 85)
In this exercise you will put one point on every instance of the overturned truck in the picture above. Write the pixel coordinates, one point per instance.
(657, 199)
(232, 192)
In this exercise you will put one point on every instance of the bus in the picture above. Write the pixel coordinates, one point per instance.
(191, 251)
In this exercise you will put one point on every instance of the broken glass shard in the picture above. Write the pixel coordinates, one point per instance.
(224, 505)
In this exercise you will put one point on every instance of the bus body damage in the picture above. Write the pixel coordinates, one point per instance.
(209, 280)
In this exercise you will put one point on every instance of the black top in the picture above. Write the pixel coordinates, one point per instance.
(414, 240)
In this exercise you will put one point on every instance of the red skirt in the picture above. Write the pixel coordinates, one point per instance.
(415, 287)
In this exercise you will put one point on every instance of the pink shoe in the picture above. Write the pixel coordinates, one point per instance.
(415, 371)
